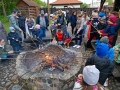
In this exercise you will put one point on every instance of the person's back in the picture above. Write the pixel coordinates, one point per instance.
(88, 80)
(102, 63)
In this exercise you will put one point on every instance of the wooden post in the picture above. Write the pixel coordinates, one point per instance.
(48, 9)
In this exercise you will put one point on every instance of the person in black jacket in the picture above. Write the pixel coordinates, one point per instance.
(102, 63)
(21, 22)
(15, 40)
(73, 20)
(61, 24)
(67, 17)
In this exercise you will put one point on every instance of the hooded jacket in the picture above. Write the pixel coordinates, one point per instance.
(59, 36)
(14, 35)
(103, 65)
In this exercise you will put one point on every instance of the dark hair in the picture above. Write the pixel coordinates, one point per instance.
(1, 39)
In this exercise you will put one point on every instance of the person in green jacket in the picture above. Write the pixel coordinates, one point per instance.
(4, 50)
(117, 51)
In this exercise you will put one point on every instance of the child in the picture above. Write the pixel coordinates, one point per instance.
(60, 37)
(15, 40)
(102, 62)
(89, 79)
(29, 24)
(4, 50)
(67, 40)
(39, 35)
(53, 28)
(110, 54)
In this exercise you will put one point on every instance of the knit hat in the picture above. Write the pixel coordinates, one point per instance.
(102, 49)
(91, 75)
(104, 40)
(14, 11)
(11, 28)
(37, 26)
(18, 11)
(42, 11)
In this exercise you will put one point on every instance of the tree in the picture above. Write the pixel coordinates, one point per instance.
(41, 3)
(109, 2)
(84, 5)
(3, 8)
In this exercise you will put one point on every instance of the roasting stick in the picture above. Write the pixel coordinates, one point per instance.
(19, 77)
(31, 76)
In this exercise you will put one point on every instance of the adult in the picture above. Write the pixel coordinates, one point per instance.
(61, 24)
(79, 31)
(3, 33)
(67, 17)
(86, 19)
(13, 20)
(4, 50)
(42, 20)
(29, 26)
(21, 22)
(73, 20)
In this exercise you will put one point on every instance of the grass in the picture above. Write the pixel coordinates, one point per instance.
(5, 23)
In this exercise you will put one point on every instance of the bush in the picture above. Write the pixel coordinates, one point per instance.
(3, 19)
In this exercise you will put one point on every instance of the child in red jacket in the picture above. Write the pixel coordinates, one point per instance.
(60, 37)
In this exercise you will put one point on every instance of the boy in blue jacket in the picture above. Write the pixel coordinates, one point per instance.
(15, 40)
(110, 53)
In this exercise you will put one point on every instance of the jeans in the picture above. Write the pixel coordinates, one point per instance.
(60, 42)
(32, 32)
(44, 31)
(78, 37)
(84, 29)
(5, 57)
(24, 32)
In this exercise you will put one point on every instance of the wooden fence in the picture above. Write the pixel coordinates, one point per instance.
(88, 10)
(52, 10)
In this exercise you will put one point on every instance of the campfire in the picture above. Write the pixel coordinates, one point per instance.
(51, 58)
(51, 63)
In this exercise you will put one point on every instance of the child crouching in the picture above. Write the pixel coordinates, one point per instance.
(67, 40)
(39, 35)
(15, 40)
(89, 79)
(60, 37)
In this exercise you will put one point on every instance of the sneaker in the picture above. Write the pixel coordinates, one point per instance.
(75, 46)
(78, 46)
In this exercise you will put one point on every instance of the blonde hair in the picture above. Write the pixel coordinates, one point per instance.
(59, 11)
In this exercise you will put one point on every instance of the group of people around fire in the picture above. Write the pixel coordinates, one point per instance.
(101, 26)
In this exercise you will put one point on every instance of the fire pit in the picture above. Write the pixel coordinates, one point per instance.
(51, 63)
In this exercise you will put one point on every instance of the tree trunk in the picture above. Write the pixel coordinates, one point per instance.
(101, 4)
(3, 7)
(48, 9)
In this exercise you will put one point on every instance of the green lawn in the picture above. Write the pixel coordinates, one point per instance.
(5, 23)
(6, 26)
